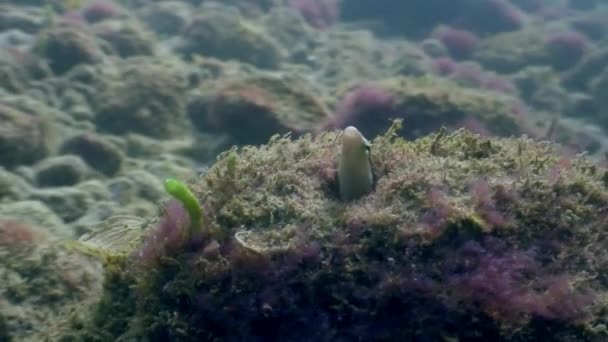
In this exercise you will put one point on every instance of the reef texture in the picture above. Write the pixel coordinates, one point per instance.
(100, 100)
(463, 237)
(41, 279)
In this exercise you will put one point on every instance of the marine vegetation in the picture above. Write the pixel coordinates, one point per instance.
(462, 237)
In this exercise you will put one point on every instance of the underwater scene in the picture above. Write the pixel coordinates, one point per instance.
(304, 170)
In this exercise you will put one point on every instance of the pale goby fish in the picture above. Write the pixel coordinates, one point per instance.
(355, 177)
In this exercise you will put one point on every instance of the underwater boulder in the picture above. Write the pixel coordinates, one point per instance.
(166, 18)
(41, 278)
(511, 51)
(455, 240)
(68, 203)
(25, 137)
(66, 45)
(26, 19)
(581, 76)
(125, 37)
(427, 104)
(98, 152)
(252, 109)
(142, 95)
(63, 170)
(599, 92)
(223, 34)
(419, 17)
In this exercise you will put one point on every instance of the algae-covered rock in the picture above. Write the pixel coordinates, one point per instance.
(581, 76)
(418, 17)
(18, 66)
(590, 78)
(540, 87)
(427, 104)
(36, 214)
(126, 38)
(12, 186)
(166, 17)
(288, 28)
(599, 92)
(40, 279)
(12, 78)
(145, 96)
(463, 237)
(66, 45)
(223, 34)
(97, 152)
(25, 137)
(512, 51)
(63, 170)
(252, 109)
(27, 19)
(66, 202)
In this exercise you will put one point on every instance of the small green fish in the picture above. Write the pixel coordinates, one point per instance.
(182, 193)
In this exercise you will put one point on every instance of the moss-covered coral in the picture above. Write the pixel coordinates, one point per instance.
(463, 237)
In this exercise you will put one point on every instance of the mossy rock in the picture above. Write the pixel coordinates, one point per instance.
(66, 45)
(223, 34)
(599, 92)
(26, 136)
(252, 109)
(419, 17)
(463, 237)
(143, 95)
(429, 103)
(582, 75)
(41, 280)
(125, 37)
(13, 78)
(512, 51)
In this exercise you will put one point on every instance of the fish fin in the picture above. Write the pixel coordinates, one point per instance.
(119, 234)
